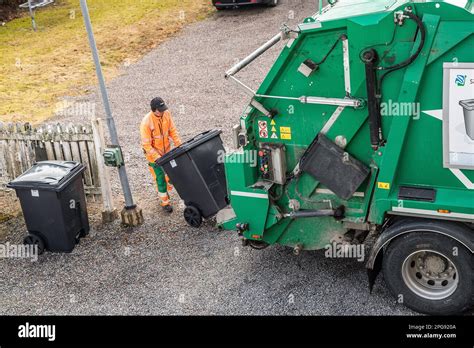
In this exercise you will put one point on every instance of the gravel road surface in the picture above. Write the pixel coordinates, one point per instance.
(164, 266)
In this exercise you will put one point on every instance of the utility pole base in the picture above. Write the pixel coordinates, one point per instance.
(109, 216)
(132, 216)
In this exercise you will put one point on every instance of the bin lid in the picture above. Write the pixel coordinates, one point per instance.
(47, 175)
(467, 104)
(189, 145)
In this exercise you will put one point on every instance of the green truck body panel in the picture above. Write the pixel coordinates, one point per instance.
(412, 155)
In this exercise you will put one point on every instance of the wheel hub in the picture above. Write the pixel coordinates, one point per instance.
(435, 264)
(430, 274)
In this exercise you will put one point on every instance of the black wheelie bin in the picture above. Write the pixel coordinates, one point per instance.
(196, 169)
(52, 198)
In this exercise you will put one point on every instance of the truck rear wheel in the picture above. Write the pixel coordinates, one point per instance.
(430, 273)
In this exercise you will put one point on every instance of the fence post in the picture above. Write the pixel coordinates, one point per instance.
(109, 212)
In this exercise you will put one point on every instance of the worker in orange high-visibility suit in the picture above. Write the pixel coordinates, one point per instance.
(156, 129)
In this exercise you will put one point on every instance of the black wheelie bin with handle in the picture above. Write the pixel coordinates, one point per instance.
(196, 169)
(52, 198)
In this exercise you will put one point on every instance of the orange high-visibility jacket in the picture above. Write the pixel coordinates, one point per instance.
(156, 133)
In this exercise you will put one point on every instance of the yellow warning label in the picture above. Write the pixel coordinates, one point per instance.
(273, 123)
(274, 129)
(383, 185)
(285, 136)
(285, 130)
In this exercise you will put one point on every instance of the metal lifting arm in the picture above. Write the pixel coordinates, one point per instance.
(257, 53)
(230, 74)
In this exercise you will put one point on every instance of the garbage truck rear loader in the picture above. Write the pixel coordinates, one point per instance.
(360, 135)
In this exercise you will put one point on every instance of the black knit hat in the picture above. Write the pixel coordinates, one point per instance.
(158, 104)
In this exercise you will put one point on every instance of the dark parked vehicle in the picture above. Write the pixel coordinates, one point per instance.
(222, 4)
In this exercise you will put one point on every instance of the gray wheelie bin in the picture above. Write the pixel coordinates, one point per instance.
(468, 106)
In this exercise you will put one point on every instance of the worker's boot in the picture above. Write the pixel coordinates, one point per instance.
(167, 208)
(165, 202)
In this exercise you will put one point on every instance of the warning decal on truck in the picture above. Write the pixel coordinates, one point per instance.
(263, 129)
(285, 133)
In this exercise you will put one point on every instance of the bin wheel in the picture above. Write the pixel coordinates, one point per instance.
(193, 216)
(33, 239)
(257, 244)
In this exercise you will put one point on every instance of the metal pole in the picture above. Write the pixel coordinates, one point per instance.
(32, 15)
(254, 55)
(105, 99)
(320, 6)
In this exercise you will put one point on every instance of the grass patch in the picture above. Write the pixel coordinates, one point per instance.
(39, 68)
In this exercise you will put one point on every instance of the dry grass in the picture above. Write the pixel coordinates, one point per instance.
(39, 68)
(9, 207)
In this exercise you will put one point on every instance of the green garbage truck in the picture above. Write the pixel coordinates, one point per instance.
(360, 136)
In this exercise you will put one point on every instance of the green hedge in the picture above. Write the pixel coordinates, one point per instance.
(9, 9)
(11, 3)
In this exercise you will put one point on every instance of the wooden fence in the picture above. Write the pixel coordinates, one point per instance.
(21, 145)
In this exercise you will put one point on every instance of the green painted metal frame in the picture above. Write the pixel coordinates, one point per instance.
(450, 31)
(389, 156)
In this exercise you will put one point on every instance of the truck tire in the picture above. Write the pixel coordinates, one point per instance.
(430, 273)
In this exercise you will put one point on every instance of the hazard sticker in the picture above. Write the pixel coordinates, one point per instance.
(285, 133)
(262, 129)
